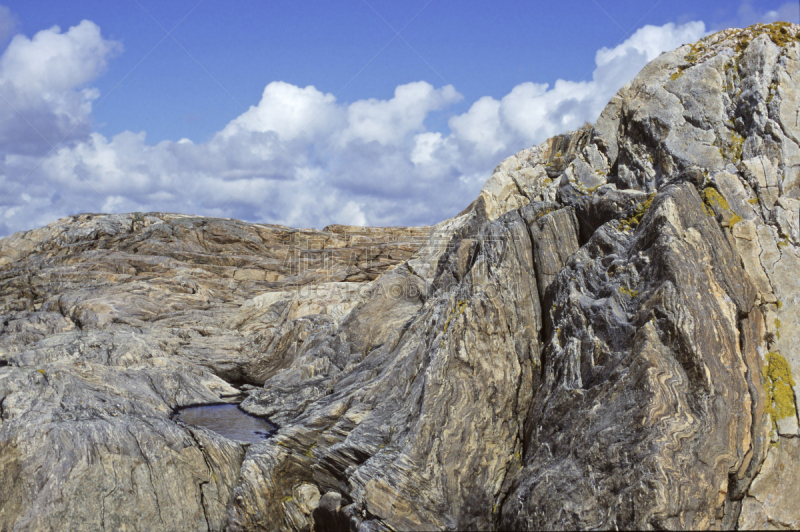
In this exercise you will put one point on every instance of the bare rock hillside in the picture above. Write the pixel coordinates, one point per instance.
(608, 337)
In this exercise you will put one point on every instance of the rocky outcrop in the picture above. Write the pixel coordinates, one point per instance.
(606, 338)
(110, 323)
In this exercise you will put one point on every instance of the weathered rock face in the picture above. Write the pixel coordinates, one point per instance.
(605, 338)
(112, 322)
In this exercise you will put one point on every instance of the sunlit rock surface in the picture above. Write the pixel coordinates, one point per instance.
(608, 337)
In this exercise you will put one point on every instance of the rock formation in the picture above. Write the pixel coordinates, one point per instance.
(605, 338)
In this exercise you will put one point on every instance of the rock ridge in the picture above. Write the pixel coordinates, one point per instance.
(608, 337)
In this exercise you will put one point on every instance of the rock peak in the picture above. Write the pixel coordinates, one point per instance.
(608, 337)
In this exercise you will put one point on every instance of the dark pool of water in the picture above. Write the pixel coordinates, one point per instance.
(228, 420)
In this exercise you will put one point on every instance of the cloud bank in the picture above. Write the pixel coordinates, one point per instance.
(298, 157)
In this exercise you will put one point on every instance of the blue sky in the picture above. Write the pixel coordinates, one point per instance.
(307, 112)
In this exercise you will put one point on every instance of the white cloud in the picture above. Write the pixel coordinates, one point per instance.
(43, 86)
(390, 121)
(480, 128)
(298, 157)
(52, 62)
(532, 112)
(651, 41)
(425, 146)
(288, 111)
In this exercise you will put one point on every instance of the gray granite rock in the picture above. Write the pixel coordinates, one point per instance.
(606, 338)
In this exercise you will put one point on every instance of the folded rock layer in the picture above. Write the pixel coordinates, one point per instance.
(608, 337)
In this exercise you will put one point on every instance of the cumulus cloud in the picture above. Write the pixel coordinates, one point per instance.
(391, 121)
(298, 157)
(288, 112)
(43, 85)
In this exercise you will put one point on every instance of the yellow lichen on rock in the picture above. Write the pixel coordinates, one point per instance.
(731, 148)
(715, 203)
(778, 384)
(630, 223)
(714, 199)
(628, 292)
(461, 306)
(779, 32)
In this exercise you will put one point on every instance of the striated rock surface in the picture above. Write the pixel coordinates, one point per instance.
(608, 337)
(110, 323)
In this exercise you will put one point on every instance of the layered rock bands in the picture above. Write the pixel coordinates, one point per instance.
(608, 337)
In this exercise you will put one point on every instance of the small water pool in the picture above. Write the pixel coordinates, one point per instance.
(228, 420)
